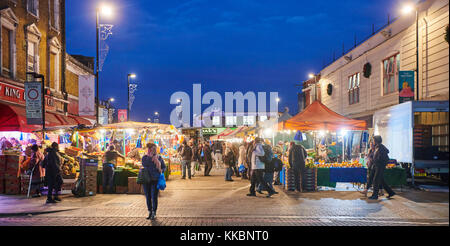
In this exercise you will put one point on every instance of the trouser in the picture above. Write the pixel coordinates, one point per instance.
(299, 174)
(370, 180)
(208, 167)
(257, 178)
(108, 178)
(186, 164)
(228, 173)
(151, 195)
(379, 180)
(54, 183)
(268, 179)
(193, 166)
(218, 159)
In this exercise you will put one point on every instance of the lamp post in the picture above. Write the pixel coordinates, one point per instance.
(106, 11)
(156, 120)
(407, 9)
(130, 75)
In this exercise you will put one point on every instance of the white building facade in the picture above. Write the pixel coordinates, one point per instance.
(389, 51)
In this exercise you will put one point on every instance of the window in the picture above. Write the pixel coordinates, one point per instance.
(216, 120)
(6, 52)
(33, 7)
(33, 40)
(353, 88)
(263, 118)
(31, 56)
(55, 11)
(230, 120)
(249, 120)
(54, 64)
(391, 66)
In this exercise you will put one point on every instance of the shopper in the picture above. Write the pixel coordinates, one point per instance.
(217, 147)
(278, 166)
(229, 160)
(241, 160)
(258, 169)
(186, 157)
(195, 157)
(154, 165)
(297, 156)
(52, 165)
(370, 169)
(208, 159)
(235, 150)
(38, 171)
(248, 158)
(109, 165)
(380, 159)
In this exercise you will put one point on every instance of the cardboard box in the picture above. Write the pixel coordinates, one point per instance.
(133, 186)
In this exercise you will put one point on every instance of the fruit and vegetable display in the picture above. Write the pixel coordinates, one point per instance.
(345, 164)
(69, 166)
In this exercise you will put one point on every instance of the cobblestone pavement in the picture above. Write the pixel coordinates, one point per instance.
(210, 201)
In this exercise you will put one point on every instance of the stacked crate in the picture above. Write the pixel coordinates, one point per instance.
(12, 175)
(24, 184)
(310, 182)
(90, 172)
(290, 179)
(2, 173)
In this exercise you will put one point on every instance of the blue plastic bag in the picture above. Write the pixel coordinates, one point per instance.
(161, 182)
(241, 168)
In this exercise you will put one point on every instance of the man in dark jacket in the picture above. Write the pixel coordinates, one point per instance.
(186, 157)
(52, 165)
(297, 156)
(109, 165)
(380, 160)
(208, 158)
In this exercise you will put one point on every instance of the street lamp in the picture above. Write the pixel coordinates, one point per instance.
(105, 10)
(130, 75)
(406, 10)
(111, 99)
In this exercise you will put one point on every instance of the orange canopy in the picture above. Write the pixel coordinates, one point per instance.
(318, 117)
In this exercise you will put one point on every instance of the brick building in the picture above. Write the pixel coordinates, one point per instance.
(32, 39)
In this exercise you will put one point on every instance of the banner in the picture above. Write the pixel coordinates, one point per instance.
(86, 95)
(33, 99)
(122, 115)
(406, 86)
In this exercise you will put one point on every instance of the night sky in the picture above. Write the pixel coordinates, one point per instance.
(228, 45)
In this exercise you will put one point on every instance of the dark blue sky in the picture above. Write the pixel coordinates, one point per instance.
(228, 45)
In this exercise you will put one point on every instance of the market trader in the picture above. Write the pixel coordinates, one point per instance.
(297, 156)
(109, 164)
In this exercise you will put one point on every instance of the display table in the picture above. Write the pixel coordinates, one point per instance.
(348, 175)
(395, 176)
(120, 178)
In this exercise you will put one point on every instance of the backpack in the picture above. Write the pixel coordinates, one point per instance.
(277, 164)
(268, 155)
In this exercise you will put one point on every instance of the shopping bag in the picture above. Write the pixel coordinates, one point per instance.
(161, 182)
(241, 168)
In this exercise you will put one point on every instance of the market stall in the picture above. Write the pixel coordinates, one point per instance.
(330, 134)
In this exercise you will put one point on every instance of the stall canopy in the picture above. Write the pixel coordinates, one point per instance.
(14, 118)
(318, 117)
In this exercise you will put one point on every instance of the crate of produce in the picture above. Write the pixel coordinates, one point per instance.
(72, 151)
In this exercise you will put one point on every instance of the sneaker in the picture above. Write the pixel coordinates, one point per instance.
(391, 195)
(251, 194)
(373, 198)
(50, 201)
(57, 199)
(270, 194)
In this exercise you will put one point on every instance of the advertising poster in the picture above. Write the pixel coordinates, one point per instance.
(122, 115)
(86, 102)
(406, 86)
(33, 99)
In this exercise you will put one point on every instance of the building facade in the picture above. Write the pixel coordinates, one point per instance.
(366, 78)
(32, 40)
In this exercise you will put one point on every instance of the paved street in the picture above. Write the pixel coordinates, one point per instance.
(210, 201)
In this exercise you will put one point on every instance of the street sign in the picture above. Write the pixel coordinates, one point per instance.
(406, 86)
(33, 100)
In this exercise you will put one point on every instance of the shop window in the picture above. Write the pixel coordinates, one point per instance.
(249, 120)
(32, 57)
(33, 7)
(391, 66)
(353, 88)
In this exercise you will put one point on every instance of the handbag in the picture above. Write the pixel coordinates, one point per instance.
(161, 182)
(143, 177)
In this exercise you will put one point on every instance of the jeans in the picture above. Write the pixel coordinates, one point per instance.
(258, 178)
(208, 167)
(268, 179)
(370, 181)
(228, 173)
(186, 164)
(151, 195)
(108, 178)
(379, 180)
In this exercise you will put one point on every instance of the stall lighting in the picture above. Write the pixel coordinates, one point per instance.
(268, 131)
(321, 133)
(343, 132)
(130, 131)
